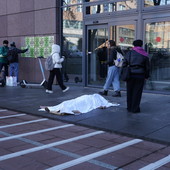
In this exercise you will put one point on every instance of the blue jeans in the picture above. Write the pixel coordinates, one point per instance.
(112, 78)
(13, 69)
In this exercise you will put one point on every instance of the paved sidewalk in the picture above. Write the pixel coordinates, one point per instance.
(153, 123)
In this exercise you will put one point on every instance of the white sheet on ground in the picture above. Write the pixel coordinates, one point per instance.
(83, 104)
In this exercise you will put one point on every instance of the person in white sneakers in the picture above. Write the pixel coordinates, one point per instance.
(56, 71)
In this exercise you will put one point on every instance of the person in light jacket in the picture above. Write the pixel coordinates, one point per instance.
(57, 60)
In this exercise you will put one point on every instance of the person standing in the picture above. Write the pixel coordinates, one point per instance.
(138, 60)
(57, 60)
(113, 71)
(3, 57)
(13, 59)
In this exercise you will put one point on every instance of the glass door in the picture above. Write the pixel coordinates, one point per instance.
(124, 35)
(97, 37)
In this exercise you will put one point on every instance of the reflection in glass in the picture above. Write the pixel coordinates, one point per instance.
(111, 7)
(72, 42)
(71, 2)
(123, 35)
(97, 56)
(158, 47)
(149, 3)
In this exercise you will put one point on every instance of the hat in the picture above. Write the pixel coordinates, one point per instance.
(13, 44)
(138, 43)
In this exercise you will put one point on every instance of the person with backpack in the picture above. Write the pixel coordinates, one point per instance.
(3, 57)
(56, 71)
(13, 59)
(113, 71)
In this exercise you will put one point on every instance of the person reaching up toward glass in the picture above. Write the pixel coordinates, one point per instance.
(113, 71)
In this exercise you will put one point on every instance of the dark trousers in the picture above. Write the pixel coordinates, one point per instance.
(5, 67)
(134, 93)
(55, 72)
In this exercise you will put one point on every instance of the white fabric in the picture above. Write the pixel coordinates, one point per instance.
(11, 81)
(57, 60)
(83, 104)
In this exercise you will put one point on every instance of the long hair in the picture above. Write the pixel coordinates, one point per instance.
(112, 43)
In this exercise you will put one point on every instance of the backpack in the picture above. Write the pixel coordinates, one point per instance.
(119, 60)
(1, 51)
(49, 65)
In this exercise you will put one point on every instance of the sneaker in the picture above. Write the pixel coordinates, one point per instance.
(67, 88)
(49, 91)
(117, 94)
(103, 93)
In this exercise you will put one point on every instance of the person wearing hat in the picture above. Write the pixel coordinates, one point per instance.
(13, 59)
(138, 60)
(3, 57)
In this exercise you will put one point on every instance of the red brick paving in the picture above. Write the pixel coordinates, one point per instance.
(129, 158)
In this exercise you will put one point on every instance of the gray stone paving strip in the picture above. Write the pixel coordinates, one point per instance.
(4, 117)
(94, 155)
(157, 164)
(3, 110)
(22, 123)
(34, 132)
(95, 162)
(70, 154)
(23, 152)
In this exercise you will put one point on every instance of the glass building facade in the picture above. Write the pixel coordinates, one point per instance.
(89, 24)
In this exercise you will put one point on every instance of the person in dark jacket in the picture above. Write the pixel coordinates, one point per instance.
(113, 71)
(3, 57)
(139, 66)
(13, 59)
(102, 56)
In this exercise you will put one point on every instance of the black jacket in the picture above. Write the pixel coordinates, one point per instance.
(13, 54)
(139, 64)
(113, 55)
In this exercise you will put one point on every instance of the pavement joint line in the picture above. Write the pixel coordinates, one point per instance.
(157, 164)
(70, 154)
(22, 123)
(34, 132)
(94, 155)
(3, 110)
(24, 152)
(4, 117)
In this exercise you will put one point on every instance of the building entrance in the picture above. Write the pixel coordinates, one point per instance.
(97, 48)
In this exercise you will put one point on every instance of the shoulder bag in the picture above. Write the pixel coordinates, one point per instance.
(125, 72)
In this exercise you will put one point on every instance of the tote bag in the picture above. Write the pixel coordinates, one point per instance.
(125, 72)
(11, 81)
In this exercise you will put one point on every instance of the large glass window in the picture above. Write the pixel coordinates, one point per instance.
(149, 3)
(123, 35)
(71, 2)
(103, 7)
(158, 47)
(72, 40)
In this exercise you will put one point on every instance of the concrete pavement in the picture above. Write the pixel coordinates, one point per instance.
(153, 123)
